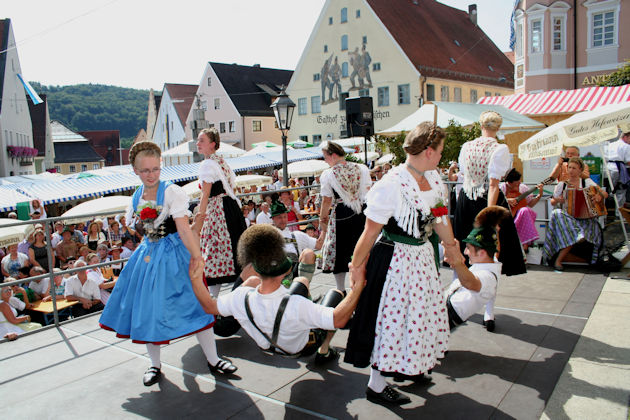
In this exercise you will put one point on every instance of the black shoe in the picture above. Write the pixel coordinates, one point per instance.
(419, 379)
(320, 359)
(223, 366)
(389, 396)
(151, 376)
(489, 324)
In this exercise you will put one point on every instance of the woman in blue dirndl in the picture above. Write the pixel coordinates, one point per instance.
(153, 301)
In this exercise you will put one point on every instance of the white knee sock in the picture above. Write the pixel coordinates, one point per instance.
(377, 381)
(340, 279)
(214, 290)
(208, 345)
(154, 355)
(489, 314)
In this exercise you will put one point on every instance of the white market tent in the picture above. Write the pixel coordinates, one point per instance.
(181, 154)
(253, 180)
(306, 168)
(10, 235)
(464, 114)
(83, 211)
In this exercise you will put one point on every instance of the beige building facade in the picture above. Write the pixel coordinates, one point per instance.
(569, 44)
(360, 48)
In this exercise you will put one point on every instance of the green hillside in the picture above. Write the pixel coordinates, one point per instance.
(97, 107)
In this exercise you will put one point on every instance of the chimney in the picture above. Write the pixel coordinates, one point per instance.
(256, 65)
(472, 13)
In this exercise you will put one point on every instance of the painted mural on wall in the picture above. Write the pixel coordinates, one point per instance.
(330, 76)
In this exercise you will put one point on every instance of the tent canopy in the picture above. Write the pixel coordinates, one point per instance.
(464, 114)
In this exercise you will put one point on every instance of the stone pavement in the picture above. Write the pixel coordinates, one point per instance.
(81, 371)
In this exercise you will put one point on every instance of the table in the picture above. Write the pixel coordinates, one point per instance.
(110, 284)
(46, 308)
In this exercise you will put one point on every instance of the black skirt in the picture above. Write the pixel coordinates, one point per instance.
(349, 227)
(510, 254)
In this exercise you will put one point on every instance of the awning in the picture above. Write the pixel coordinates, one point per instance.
(9, 197)
(293, 155)
(31, 92)
(561, 101)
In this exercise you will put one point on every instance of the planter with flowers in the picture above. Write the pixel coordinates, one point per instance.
(25, 155)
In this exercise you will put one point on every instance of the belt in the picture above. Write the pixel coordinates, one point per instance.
(434, 239)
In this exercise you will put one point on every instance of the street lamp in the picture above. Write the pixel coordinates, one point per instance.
(283, 111)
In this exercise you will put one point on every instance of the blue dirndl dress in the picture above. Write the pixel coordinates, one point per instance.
(153, 302)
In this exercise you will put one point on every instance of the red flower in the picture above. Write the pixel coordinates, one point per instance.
(439, 211)
(148, 213)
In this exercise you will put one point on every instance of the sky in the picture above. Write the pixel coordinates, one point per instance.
(146, 43)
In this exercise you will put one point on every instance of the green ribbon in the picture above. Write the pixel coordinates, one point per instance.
(434, 239)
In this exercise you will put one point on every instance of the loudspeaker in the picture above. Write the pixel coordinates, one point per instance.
(359, 116)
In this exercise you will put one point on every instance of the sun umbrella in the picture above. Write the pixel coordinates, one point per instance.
(10, 235)
(192, 189)
(582, 129)
(305, 168)
(252, 180)
(84, 211)
(264, 144)
(263, 149)
(300, 144)
(385, 159)
(370, 155)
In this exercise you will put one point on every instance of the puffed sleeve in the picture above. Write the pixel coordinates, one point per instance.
(176, 200)
(382, 199)
(326, 185)
(366, 180)
(557, 192)
(130, 216)
(499, 162)
(209, 171)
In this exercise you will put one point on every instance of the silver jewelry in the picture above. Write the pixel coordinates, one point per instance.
(421, 173)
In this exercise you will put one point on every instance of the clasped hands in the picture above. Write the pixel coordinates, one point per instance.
(452, 254)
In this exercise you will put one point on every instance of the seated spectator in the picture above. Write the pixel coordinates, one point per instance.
(115, 235)
(60, 286)
(127, 247)
(76, 234)
(103, 252)
(19, 304)
(67, 248)
(264, 216)
(12, 325)
(303, 199)
(475, 287)
(305, 327)
(38, 252)
(57, 235)
(24, 246)
(97, 277)
(293, 214)
(80, 288)
(565, 230)
(115, 255)
(127, 231)
(67, 266)
(386, 168)
(376, 173)
(252, 212)
(94, 236)
(38, 209)
(524, 215)
(40, 287)
(13, 262)
(245, 211)
(83, 253)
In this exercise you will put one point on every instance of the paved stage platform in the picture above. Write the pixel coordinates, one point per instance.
(80, 371)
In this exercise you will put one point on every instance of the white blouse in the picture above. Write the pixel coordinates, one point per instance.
(500, 163)
(175, 204)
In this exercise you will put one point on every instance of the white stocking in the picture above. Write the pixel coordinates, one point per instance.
(377, 381)
(208, 345)
(340, 279)
(154, 355)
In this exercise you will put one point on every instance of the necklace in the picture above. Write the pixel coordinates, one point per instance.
(421, 173)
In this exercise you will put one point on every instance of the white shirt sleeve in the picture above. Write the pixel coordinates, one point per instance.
(366, 180)
(588, 182)
(304, 241)
(17, 303)
(499, 162)
(69, 290)
(557, 192)
(176, 200)
(488, 284)
(226, 302)
(326, 186)
(314, 315)
(382, 199)
(209, 171)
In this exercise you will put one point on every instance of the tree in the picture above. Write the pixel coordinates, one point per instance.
(619, 78)
(456, 136)
(392, 145)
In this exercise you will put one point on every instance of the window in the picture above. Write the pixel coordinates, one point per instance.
(487, 93)
(316, 77)
(304, 138)
(497, 94)
(457, 94)
(72, 168)
(519, 40)
(358, 13)
(96, 166)
(344, 15)
(58, 169)
(344, 42)
(232, 127)
(430, 92)
(558, 32)
(376, 66)
(330, 20)
(444, 93)
(344, 69)
(209, 81)
(473, 96)
(536, 36)
(342, 100)
(364, 92)
(325, 48)
(317, 139)
(403, 94)
(603, 29)
(364, 39)
(211, 125)
(302, 106)
(316, 104)
(204, 105)
(217, 103)
(222, 127)
(83, 168)
(256, 125)
(383, 96)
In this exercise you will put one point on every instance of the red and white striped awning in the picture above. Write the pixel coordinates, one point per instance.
(561, 101)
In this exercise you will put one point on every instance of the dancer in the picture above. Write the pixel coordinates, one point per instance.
(153, 301)
(483, 162)
(400, 324)
(344, 186)
(220, 219)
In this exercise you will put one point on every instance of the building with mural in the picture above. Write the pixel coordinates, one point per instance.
(568, 44)
(402, 53)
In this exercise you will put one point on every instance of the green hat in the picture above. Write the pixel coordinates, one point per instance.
(484, 238)
(66, 229)
(276, 268)
(277, 208)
